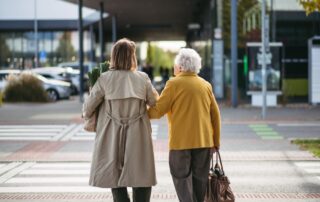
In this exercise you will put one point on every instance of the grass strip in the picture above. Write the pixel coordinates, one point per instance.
(312, 145)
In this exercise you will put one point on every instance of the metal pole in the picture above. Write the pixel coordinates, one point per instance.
(234, 54)
(101, 40)
(273, 16)
(80, 30)
(92, 42)
(263, 50)
(36, 51)
(114, 28)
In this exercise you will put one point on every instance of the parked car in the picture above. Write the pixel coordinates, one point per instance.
(55, 89)
(88, 66)
(63, 74)
(3, 76)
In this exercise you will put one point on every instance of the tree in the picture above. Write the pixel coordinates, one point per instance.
(243, 6)
(310, 5)
(4, 51)
(65, 49)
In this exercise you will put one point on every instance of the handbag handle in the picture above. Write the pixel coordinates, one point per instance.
(218, 160)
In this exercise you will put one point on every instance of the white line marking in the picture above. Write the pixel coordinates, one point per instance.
(9, 166)
(26, 134)
(25, 138)
(32, 130)
(54, 172)
(297, 124)
(32, 126)
(307, 164)
(82, 138)
(64, 132)
(47, 180)
(313, 170)
(51, 189)
(15, 171)
(62, 165)
(71, 133)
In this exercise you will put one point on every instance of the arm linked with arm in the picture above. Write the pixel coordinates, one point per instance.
(152, 94)
(163, 105)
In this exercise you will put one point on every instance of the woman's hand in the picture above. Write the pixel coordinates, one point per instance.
(214, 149)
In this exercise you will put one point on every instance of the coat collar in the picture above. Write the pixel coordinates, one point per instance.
(187, 74)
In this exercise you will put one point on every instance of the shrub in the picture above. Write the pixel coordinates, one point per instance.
(24, 88)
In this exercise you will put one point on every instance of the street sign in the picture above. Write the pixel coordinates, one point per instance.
(43, 56)
(268, 58)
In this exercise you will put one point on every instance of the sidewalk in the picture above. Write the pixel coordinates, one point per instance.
(45, 155)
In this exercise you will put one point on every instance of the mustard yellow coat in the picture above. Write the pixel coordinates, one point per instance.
(193, 113)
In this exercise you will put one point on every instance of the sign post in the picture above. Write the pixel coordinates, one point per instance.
(264, 48)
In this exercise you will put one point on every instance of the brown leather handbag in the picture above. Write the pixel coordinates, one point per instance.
(90, 124)
(218, 187)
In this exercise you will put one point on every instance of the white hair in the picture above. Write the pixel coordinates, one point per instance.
(189, 60)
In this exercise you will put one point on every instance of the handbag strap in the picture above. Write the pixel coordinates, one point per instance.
(218, 161)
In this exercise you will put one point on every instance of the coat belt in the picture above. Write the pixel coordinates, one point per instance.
(124, 124)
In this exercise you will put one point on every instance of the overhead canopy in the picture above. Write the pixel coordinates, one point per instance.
(50, 14)
(150, 19)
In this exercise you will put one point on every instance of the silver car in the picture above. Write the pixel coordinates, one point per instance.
(55, 89)
(62, 74)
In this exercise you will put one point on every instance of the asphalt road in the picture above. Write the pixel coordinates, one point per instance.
(45, 155)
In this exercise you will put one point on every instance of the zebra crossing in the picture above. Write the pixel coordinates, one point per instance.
(311, 168)
(34, 177)
(52, 132)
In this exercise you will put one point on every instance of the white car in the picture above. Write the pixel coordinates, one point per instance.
(88, 66)
(63, 74)
(55, 89)
(3, 76)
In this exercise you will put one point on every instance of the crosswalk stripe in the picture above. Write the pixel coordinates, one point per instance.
(52, 132)
(297, 124)
(49, 180)
(15, 171)
(51, 189)
(313, 170)
(64, 132)
(62, 165)
(55, 172)
(32, 126)
(9, 166)
(31, 130)
(25, 138)
(26, 134)
(307, 164)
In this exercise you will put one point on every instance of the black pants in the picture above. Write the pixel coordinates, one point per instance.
(189, 170)
(140, 194)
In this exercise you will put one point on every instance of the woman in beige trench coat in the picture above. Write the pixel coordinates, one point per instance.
(123, 151)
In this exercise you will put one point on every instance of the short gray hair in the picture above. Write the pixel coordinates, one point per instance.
(189, 60)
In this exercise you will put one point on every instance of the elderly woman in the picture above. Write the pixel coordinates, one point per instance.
(194, 126)
(123, 151)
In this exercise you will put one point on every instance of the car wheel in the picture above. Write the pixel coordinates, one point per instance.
(52, 95)
(74, 90)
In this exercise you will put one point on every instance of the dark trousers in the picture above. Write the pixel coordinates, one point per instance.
(189, 170)
(140, 194)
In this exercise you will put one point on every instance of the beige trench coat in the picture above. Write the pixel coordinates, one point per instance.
(123, 151)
